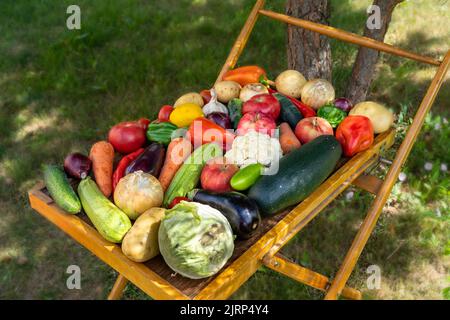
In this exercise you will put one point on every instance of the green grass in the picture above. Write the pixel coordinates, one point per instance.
(61, 90)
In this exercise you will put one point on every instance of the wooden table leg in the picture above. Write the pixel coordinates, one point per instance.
(119, 286)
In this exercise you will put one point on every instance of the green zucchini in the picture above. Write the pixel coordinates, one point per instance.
(60, 189)
(300, 173)
(289, 112)
(111, 222)
(188, 176)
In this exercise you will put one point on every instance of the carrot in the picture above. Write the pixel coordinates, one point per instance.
(177, 151)
(288, 140)
(102, 157)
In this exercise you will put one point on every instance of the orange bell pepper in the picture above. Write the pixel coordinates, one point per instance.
(245, 75)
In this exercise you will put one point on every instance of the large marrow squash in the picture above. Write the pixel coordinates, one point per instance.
(300, 173)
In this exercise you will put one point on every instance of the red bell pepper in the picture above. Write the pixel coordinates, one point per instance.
(245, 75)
(123, 164)
(304, 109)
(202, 131)
(355, 134)
(177, 200)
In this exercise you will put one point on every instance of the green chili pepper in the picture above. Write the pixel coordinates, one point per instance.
(246, 177)
(332, 114)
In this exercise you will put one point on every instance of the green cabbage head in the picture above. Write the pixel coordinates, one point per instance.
(195, 240)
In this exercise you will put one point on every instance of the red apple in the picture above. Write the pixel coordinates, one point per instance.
(263, 103)
(216, 175)
(310, 128)
(256, 121)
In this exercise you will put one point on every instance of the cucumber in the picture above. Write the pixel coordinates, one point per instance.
(289, 112)
(60, 189)
(300, 173)
(235, 111)
(188, 176)
(111, 222)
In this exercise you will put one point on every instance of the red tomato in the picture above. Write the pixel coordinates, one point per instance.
(164, 113)
(177, 200)
(127, 137)
(144, 122)
(206, 95)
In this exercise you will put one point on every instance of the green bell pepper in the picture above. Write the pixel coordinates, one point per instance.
(332, 114)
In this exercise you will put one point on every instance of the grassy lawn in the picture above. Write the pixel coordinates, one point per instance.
(61, 90)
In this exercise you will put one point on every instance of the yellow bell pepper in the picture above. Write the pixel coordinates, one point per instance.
(183, 115)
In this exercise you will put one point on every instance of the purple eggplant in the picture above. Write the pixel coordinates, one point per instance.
(150, 161)
(220, 119)
(241, 212)
(77, 165)
(344, 104)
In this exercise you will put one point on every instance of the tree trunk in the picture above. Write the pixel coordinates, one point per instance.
(308, 52)
(366, 60)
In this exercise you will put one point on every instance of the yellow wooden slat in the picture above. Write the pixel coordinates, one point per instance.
(306, 276)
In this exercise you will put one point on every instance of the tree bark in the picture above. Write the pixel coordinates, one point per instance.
(308, 52)
(364, 68)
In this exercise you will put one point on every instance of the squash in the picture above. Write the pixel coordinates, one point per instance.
(380, 117)
(111, 222)
(141, 242)
(300, 172)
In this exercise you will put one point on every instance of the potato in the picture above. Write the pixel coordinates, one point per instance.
(191, 97)
(227, 90)
(141, 242)
(290, 82)
(380, 117)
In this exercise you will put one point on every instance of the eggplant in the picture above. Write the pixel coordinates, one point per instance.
(241, 212)
(77, 165)
(220, 119)
(150, 161)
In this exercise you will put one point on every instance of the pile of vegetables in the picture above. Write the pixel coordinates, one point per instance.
(213, 165)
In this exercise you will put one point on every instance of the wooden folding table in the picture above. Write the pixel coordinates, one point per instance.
(157, 280)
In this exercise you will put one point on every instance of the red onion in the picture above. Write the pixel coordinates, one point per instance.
(344, 104)
(220, 119)
(77, 165)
